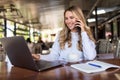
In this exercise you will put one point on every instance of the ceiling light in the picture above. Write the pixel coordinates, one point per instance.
(91, 20)
(99, 12)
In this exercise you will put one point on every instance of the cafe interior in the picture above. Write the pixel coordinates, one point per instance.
(44, 18)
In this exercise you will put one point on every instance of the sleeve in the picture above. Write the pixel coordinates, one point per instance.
(89, 50)
(54, 53)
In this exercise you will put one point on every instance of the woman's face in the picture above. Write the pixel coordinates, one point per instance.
(70, 20)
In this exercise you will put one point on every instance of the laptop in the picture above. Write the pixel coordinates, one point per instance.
(20, 56)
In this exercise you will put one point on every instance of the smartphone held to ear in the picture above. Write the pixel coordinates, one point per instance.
(77, 26)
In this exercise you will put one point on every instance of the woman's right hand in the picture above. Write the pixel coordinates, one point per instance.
(36, 56)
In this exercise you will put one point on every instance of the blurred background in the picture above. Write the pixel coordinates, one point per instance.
(44, 18)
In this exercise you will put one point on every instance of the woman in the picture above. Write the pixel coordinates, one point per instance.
(75, 41)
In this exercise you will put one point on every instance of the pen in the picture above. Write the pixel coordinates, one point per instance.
(95, 65)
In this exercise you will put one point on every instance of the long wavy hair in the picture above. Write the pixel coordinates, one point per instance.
(65, 35)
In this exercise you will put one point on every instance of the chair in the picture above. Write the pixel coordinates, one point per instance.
(105, 49)
(37, 48)
(117, 50)
(104, 46)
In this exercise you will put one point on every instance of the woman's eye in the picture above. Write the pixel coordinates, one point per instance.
(71, 17)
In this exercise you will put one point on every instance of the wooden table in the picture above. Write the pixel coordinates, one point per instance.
(59, 73)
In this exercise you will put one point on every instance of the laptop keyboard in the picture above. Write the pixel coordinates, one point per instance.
(45, 64)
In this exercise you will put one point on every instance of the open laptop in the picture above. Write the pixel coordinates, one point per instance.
(20, 56)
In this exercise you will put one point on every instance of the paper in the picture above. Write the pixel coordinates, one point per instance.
(117, 76)
(93, 66)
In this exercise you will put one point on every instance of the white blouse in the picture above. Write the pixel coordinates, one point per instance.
(72, 53)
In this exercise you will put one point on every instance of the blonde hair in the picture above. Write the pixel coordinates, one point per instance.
(65, 35)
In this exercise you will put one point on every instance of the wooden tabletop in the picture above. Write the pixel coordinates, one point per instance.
(8, 72)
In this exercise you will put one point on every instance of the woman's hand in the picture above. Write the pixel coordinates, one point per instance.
(36, 56)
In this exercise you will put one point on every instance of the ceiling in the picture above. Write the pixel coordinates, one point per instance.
(48, 14)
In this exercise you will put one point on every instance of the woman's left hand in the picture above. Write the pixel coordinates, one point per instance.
(81, 25)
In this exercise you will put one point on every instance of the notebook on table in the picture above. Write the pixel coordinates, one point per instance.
(20, 56)
(94, 66)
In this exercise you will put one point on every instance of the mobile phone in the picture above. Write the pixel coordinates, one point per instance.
(78, 28)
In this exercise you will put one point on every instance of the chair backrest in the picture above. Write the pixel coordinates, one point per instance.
(104, 46)
(117, 50)
(38, 48)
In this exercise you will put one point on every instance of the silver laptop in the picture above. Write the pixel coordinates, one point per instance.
(20, 56)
